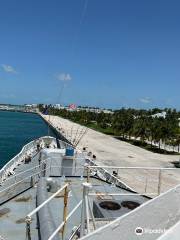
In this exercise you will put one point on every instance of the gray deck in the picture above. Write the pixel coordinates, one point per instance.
(13, 222)
(13, 215)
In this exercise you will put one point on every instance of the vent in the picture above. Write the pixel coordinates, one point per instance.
(110, 205)
(130, 204)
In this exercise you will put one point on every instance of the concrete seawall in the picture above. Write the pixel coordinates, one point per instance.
(112, 152)
(57, 133)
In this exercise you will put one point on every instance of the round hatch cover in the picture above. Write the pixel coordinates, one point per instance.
(110, 205)
(130, 204)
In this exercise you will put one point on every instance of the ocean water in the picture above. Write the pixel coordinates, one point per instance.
(17, 129)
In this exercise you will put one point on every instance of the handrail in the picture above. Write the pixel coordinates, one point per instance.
(14, 184)
(63, 223)
(24, 147)
(111, 175)
(143, 168)
(20, 173)
(42, 170)
(28, 217)
(28, 146)
(159, 169)
(118, 194)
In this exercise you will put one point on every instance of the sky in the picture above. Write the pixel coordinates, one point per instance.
(106, 53)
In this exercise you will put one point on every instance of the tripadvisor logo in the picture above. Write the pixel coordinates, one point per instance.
(139, 231)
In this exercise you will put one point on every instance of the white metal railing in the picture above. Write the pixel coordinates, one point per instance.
(110, 178)
(28, 218)
(16, 179)
(144, 168)
(28, 170)
(8, 168)
(64, 222)
(118, 194)
(86, 212)
(29, 148)
(22, 180)
(105, 175)
(159, 170)
(21, 173)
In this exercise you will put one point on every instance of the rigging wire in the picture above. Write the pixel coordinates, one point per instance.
(82, 135)
(74, 41)
(78, 136)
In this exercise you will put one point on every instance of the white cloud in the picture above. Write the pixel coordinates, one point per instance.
(8, 69)
(64, 77)
(145, 100)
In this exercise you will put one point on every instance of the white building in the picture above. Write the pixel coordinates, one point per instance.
(158, 115)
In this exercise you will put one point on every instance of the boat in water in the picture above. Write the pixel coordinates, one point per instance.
(52, 190)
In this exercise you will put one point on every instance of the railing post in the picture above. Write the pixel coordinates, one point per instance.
(85, 209)
(31, 182)
(65, 211)
(92, 215)
(145, 191)
(28, 229)
(88, 174)
(118, 173)
(159, 182)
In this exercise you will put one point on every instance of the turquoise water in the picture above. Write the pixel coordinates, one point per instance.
(17, 129)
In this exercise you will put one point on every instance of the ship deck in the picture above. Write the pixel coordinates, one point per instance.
(18, 194)
(13, 225)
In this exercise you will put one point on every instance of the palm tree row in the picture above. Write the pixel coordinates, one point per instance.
(142, 125)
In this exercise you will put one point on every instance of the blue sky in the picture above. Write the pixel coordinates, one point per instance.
(108, 53)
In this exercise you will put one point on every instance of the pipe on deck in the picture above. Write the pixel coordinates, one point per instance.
(46, 222)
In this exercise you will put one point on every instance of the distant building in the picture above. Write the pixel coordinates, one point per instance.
(58, 106)
(31, 105)
(73, 107)
(94, 109)
(158, 115)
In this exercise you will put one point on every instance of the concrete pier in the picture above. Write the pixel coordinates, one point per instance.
(112, 152)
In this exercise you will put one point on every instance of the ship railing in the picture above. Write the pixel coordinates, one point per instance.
(105, 175)
(44, 165)
(86, 213)
(87, 216)
(15, 177)
(62, 225)
(21, 182)
(151, 175)
(14, 162)
(17, 182)
(28, 218)
(28, 149)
